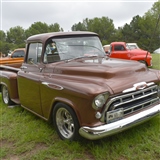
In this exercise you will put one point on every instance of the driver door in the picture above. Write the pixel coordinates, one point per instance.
(29, 80)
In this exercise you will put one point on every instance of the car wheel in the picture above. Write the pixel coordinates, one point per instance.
(5, 95)
(144, 62)
(66, 122)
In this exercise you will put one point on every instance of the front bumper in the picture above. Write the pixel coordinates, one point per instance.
(118, 126)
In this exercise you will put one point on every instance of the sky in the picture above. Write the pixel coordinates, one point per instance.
(66, 13)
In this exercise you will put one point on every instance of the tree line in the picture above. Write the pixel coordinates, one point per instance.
(145, 31)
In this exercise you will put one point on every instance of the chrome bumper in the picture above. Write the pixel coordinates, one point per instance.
(118, 126)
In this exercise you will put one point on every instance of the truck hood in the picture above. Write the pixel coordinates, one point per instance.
(139, 52)
(114, 75)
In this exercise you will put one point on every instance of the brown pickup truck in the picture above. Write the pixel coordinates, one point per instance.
(67, 78)
(15, 60)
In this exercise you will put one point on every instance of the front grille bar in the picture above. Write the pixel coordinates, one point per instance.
(132, 101)
(140, 106)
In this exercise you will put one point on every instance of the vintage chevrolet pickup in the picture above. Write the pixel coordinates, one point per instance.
(66, 78)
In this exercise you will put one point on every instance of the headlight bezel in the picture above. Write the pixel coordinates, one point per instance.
(100, 100)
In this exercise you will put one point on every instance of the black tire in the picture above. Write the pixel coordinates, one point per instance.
(65, 122)
(144, 62)
(5, 96)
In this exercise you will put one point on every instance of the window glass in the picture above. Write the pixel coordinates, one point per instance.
(119, 48)
(34, 53)
(18, 54)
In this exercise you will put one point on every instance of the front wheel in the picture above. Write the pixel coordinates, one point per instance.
(65, 122)
(144, 62)
(5, 95)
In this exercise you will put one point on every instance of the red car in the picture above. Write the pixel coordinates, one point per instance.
(121, 50)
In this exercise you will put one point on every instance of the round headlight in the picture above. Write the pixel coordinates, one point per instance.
(99, 101)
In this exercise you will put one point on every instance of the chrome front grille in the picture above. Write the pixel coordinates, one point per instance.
(133, 101)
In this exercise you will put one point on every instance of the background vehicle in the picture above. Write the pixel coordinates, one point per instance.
(157, 51)
(106, 48)
(122, 51)
(133, 46)
(77, 87)
(15, 59)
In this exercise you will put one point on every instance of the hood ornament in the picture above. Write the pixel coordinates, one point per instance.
(138, 86)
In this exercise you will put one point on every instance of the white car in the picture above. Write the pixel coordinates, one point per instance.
(106, 48)
(157, 51)
(133, 46)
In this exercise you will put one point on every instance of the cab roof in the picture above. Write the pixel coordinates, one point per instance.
(44, 36)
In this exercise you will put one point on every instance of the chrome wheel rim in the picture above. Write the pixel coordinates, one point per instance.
(5, 95)
(65, 123)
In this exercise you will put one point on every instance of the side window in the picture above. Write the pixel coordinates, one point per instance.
(119, 48)
(18, 54)
(51, 53)
(34, 53)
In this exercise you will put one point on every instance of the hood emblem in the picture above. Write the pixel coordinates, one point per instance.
(142, 86)
(138, 86)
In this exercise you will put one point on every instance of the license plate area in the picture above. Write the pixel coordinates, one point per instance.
(114, 115)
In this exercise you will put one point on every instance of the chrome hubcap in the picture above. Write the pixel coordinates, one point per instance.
(65, 122)
(5, 95)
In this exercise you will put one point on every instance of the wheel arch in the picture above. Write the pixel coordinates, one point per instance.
(144, 62)
(9, 79)
(66, 102)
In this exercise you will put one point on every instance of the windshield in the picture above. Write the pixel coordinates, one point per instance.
(73, 48)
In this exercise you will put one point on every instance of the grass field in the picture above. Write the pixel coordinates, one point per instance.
(156, 61)
(23, 136)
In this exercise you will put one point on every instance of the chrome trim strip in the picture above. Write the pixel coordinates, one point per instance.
(118, 126)
(51, 85)
(142, 104)
(134, 99)
(134, 88)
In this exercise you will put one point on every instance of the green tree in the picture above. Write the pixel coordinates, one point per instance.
(144, 30)
(104, 27)
(2, 35)
(16, 35)
(55, 28)
(79, 27)
(2, 41)
(152, 21)
(132, 32)
(37, 28)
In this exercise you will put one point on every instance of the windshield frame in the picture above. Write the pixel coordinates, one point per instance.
(74, 48)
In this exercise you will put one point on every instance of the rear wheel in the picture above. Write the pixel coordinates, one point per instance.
(5, 95)
(65, 122)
